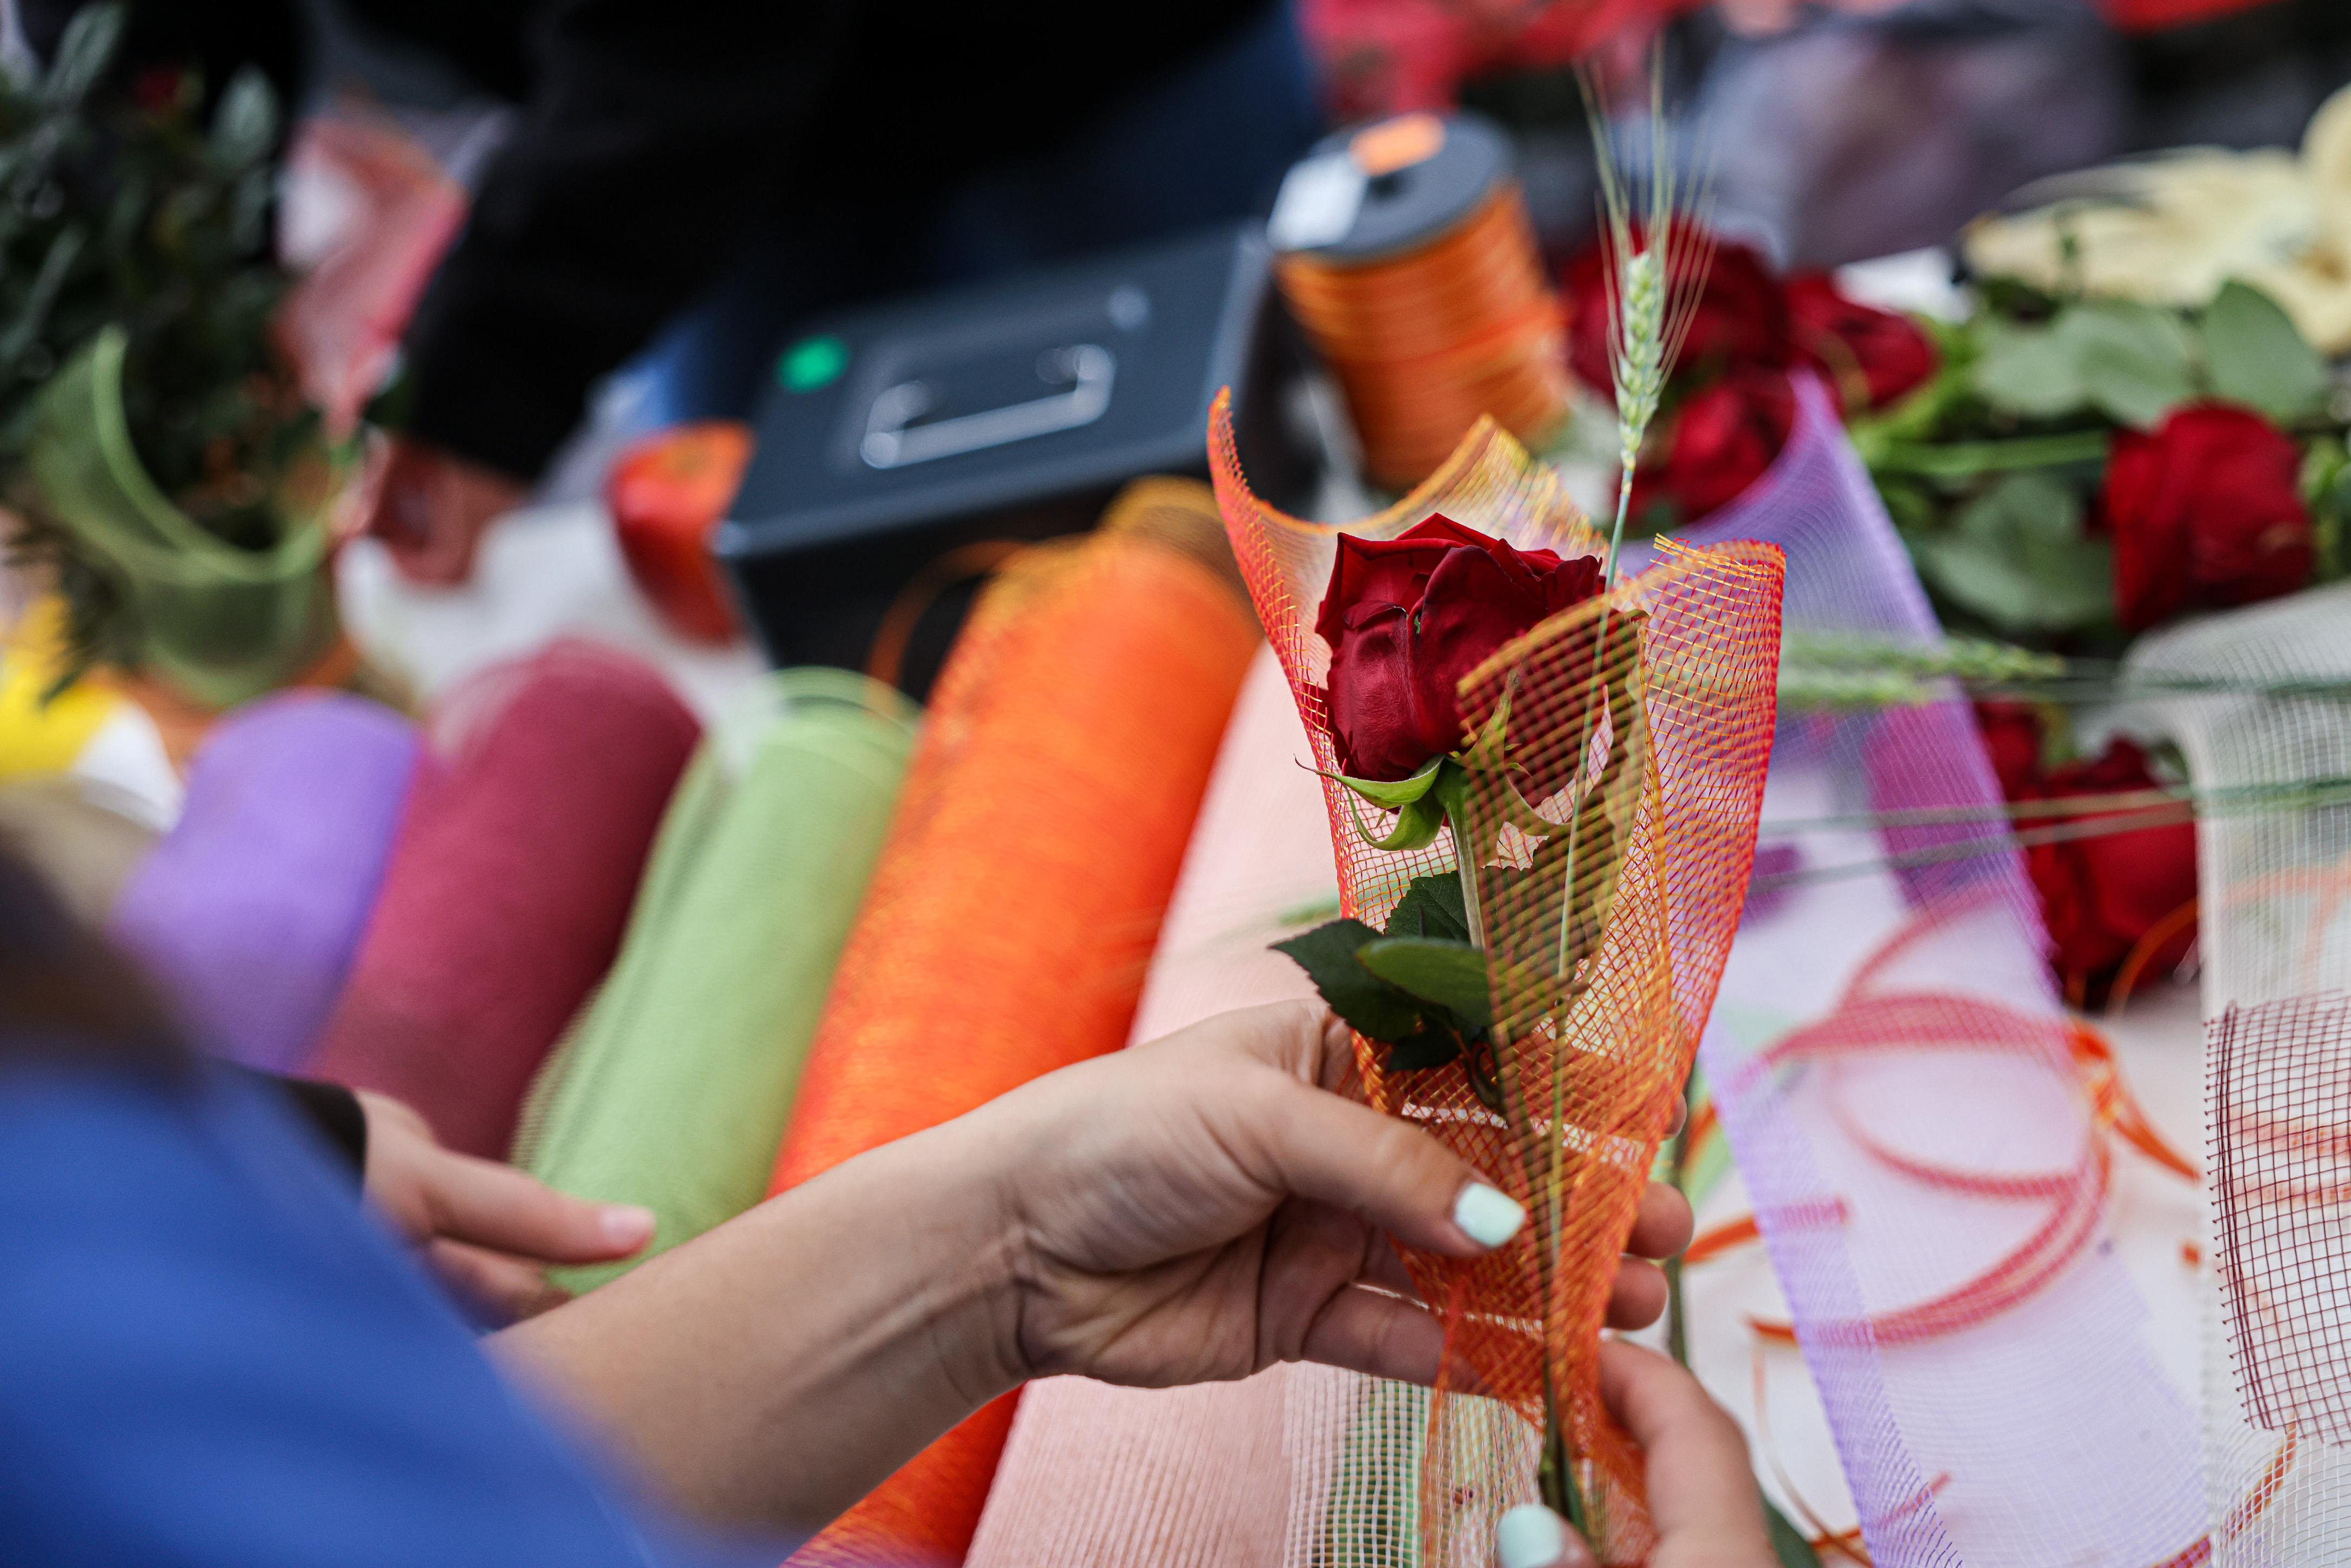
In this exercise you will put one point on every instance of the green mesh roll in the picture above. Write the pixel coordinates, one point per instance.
(220, 623)
(674, 1087)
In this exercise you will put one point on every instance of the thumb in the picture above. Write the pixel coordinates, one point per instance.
(1316, 1145)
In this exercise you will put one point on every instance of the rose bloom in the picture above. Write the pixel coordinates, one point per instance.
(1858, 347)
(2102, 896)
(1741, 317)
(1716, 444)
(2011, 738)
(1407, 618)
(2205, 511)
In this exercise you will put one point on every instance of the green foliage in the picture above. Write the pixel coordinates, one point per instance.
(2133, 363)
(1442, 971)
(114, 211)
(1419, 987)
(1375, 1009)
(1789, 1546)
(2256, 357)
(2326, 485)
(2017, 557)
(1989, 470)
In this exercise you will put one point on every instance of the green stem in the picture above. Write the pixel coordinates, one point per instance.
(1616, 532)
(1965, 459)
(1678, 1173)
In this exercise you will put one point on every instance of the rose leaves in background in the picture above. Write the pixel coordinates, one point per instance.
(2016, 556)
(2084, 469)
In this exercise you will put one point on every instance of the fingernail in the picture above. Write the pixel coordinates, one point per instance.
(1487, 1216)
(1530, 1536)
(627, 1225)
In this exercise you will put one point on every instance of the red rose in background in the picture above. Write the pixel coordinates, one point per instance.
(2102, 896)
(1741, 318)
(2011, 735)
(2206, 511)
(1716, 444)
(1407, 618)
(1860, 348)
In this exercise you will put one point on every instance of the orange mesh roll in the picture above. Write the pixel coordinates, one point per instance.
(1425, 343)
(1602, 977)
(1020, 894)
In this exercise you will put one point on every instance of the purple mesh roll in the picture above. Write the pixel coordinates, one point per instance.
(248, 913)
(2040, 1429)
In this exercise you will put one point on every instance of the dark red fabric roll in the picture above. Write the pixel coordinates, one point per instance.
(509, 885)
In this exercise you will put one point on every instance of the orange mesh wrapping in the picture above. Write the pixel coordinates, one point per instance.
(1590, 1052)
(1044, 817)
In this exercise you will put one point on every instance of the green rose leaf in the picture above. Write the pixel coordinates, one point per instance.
(2136, 362)
(2016, 556)
(1431, 906)
(2028, 372)
(1790, 1546)
(247, 121)
(1450, 974)
(2257, 357)
(1374, 1009)
(1429, 1048)
(83, 53)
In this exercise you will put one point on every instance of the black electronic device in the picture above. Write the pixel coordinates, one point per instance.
(1012, 409)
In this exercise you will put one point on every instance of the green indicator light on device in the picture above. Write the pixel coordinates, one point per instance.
(812, 364)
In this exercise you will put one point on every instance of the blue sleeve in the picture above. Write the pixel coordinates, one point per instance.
(209, 1356)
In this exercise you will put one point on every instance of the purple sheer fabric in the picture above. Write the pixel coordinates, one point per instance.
(2039, 1428)
(248, 913)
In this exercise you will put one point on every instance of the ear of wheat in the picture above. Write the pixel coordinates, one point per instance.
(1657, 251)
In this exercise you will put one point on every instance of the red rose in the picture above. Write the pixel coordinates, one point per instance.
(1716, 444)
(1741, 318)
(1407, 618)
(1878, 353)
(2206, 511)
(2102, 896)
(2011, 735)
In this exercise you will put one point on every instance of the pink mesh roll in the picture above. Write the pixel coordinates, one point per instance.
(1891, 1066)
(509, 885)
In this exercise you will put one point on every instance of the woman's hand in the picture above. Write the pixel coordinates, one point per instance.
(430, 509)
(1202, 1208)
(486, 1229)
(1196, 1208)
(1702, 1496)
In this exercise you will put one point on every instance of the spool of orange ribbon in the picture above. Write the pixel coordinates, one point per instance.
(1405, 253)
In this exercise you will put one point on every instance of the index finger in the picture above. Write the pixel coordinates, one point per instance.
(508, 1210)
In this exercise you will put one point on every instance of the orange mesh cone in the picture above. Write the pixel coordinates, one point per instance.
(1602, 961)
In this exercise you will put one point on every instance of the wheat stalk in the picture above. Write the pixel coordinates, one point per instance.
(1654, 272)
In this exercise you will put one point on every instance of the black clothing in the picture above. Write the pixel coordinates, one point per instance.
(656, 134)
(330, 1109)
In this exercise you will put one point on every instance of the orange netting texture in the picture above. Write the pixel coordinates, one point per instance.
(1643, 718)
(1020, 890)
